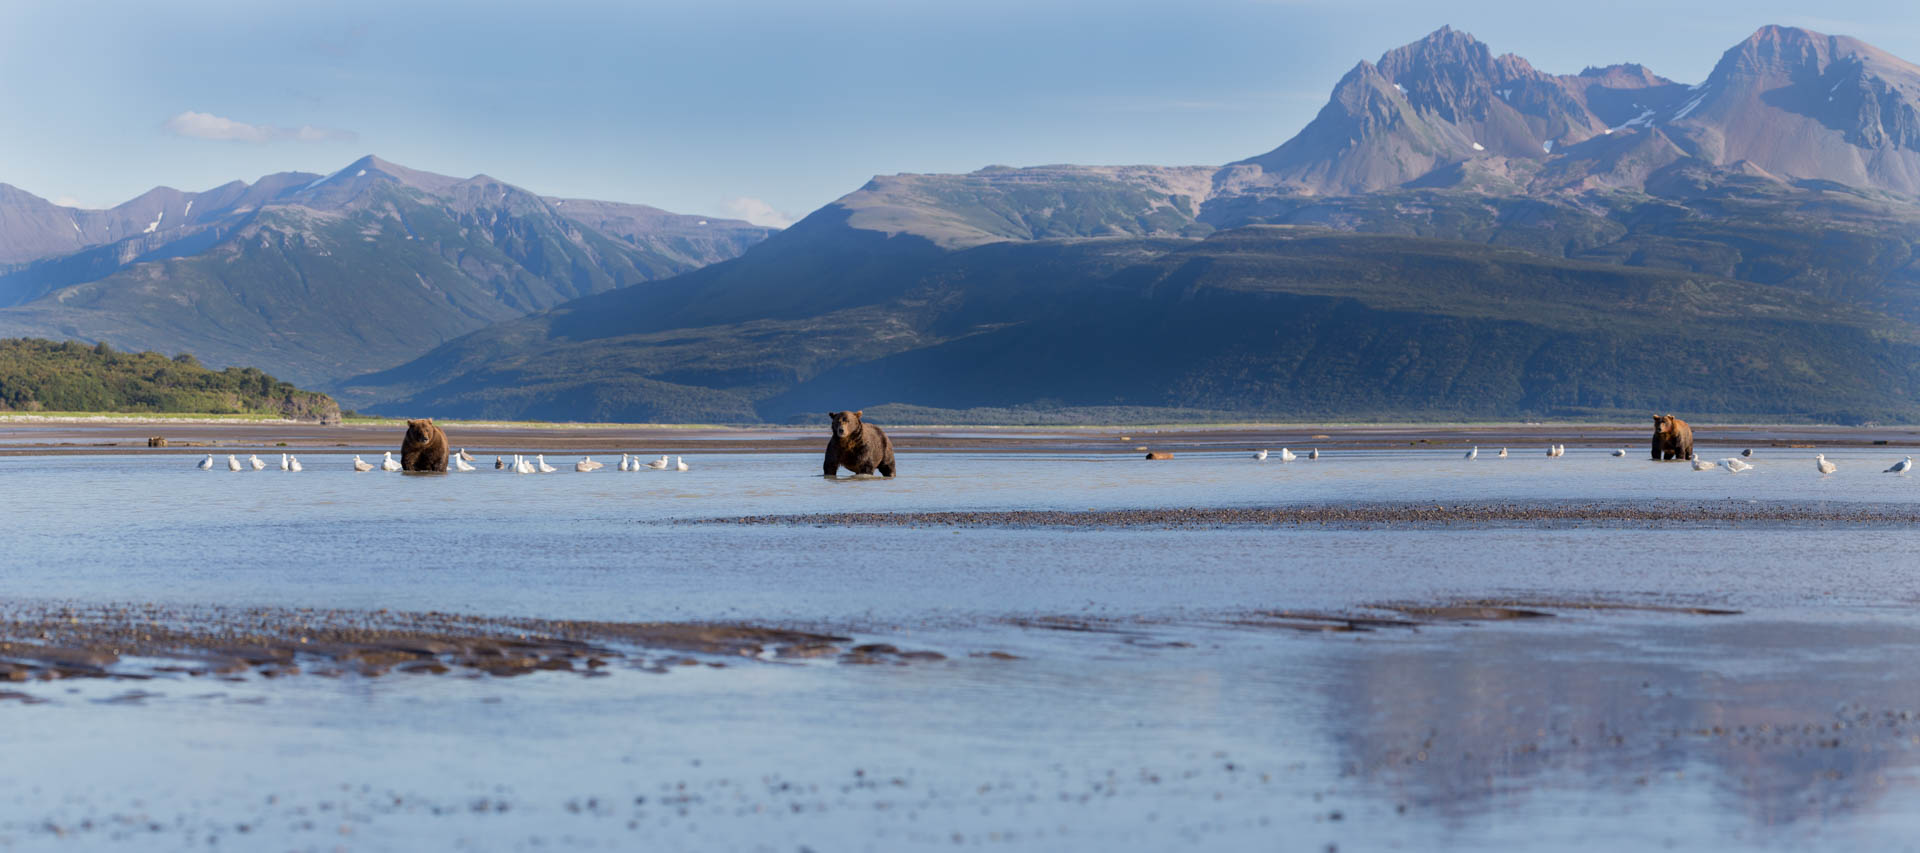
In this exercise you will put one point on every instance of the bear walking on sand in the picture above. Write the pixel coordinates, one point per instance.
(1672, 438)
(857, 446)
(425, 448)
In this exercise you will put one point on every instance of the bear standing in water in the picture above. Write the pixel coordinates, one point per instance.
(1672, 438)
(425, 448)
(857, 446)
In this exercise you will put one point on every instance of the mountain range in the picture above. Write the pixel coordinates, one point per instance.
(1456, 234)
(317, 277)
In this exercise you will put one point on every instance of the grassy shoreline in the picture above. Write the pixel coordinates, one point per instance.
(59, 418)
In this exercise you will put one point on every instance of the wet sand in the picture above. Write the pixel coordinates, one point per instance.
(1377, 515)
(147, 642)
(189, 438)
(49, 642)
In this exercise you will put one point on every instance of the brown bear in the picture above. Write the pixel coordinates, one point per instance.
(1672, 438)
(425, 448)
(858, 446)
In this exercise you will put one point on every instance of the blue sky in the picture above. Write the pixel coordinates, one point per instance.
(740, 106)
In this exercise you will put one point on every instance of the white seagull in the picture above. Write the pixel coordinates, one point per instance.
(254, 461)
(460, 464)
(543, 466)
(232, 463)
(658, 464)
(1734, 464)
(465, 456)
(522, 466)
(293, 464)
(1314, 453)
(361, 465)
(283, 462)
(625, 461)
(1288, 455)
(1704, 465)
(1821, 464)
(1261, 455)
(207, 463)
(1618, 451)
(680, 463)
(1503, 453)
(585, 465)
(1473, 454)
(1900, 467)
(389, 463)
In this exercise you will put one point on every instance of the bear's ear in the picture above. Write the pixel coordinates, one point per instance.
(859, 412)
(834, 415)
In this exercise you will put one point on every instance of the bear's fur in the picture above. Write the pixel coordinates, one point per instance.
(1672, 438)
(425, 448)
(857, 446)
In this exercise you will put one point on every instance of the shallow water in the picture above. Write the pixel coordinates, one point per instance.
(1171, 726)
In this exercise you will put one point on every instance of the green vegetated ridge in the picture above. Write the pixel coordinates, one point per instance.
(39, 375)
(1289, 322)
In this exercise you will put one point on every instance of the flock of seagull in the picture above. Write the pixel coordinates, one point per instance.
(462, 461)
(1733, 464)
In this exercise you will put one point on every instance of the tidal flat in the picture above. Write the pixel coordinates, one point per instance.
(1017, 646)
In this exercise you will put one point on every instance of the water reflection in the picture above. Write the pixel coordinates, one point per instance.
(1790, 725)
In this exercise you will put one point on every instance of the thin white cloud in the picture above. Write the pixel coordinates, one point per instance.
(757, 212)
(68, 201)
(198, 125)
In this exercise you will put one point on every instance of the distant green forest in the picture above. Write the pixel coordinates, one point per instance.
(39, 375)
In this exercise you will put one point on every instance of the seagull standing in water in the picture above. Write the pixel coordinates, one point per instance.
(232, 463)
(1734, 464)
(658, 464)
(283, 462)
(389, 463)
(361, 465)
(465, 456)
(1314, 453)
(1619, 452)
(1288, 455)
(254, 461)
(1503, 453)
(293, 464)
(1704, 465)
(587, 465)
(460, 464)
(207, 463)
(625, 461)
(1261, 455)
(543, 466)
(1821, 464)
(1900, 467)
(680, 463)
(1474, 453)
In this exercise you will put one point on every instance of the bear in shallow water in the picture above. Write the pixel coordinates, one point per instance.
(425, 448)
(1672, 438)
(857, 446)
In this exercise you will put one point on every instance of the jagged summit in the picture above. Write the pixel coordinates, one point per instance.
(1786, 102)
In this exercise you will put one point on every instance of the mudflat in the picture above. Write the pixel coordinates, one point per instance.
(19, 436)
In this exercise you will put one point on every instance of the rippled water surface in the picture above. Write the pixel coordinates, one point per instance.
(1183, 720)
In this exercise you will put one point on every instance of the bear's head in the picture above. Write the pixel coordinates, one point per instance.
(845, 424)
(1662, 423)
(419, 429)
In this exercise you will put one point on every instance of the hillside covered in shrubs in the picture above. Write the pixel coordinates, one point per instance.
(45, 376)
